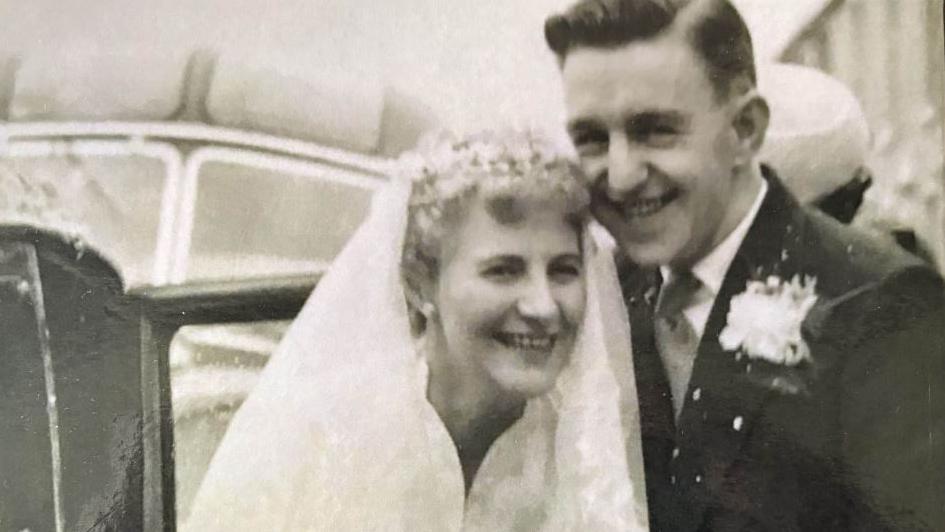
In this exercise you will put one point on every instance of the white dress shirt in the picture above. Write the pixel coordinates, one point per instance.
(711, 269)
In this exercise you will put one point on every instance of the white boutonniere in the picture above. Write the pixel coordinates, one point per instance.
(764, 321)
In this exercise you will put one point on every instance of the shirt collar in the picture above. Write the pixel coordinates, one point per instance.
(711, 269)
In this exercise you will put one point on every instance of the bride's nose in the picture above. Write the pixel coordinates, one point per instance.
(536, 301)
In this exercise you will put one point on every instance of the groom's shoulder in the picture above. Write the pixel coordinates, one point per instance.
(870, 288)
(875, 301)
(844, 258)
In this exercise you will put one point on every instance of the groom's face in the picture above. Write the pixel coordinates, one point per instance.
(656, 144)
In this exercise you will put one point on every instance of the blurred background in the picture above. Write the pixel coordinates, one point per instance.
(232, 140)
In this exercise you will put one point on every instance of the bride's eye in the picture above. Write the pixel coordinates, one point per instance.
(565, 269)
(503, 269)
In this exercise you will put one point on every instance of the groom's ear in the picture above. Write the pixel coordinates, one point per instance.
(750, 123)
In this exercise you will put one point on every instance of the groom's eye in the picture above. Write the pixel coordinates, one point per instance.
(661, 136)
(589, 141)
(656, 130)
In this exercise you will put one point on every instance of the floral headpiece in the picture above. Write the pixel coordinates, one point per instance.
(443, 169)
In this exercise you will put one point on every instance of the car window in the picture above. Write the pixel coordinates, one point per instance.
(213, 368)
(110, 195)
(251, 215)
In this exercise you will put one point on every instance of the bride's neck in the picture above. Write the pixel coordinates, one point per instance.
(470, 404)
(466, 398)
(472, 408)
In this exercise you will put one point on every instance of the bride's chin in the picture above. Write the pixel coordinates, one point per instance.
(529, 383)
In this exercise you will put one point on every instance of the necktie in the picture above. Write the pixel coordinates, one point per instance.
(676, 339)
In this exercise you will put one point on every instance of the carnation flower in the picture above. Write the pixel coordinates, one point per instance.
(764, 321)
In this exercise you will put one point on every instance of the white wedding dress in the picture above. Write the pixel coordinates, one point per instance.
(339, 435)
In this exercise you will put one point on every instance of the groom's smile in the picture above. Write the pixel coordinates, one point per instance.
(639, 206)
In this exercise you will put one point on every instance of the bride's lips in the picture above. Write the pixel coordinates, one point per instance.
(527, 342)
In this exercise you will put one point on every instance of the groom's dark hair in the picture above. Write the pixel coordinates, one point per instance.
(717, 34)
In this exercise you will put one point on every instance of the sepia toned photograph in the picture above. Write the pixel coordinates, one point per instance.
(434, 265)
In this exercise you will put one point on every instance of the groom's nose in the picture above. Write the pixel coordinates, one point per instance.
(627, 168)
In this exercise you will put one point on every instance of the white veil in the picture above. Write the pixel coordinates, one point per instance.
(338, 433)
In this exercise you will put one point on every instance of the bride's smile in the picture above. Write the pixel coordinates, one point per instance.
(526, 341)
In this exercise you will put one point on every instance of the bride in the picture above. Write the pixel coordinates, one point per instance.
(456, 369)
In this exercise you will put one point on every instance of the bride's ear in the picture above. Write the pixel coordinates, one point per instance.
(428, 310)
(421, 314)
(419, 283)
(420, 307)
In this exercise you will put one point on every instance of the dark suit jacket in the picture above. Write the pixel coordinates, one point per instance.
(854, 440)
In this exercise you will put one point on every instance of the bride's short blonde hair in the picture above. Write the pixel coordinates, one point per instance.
(506, 169)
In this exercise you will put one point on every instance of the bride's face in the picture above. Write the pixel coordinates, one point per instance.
(510, 293)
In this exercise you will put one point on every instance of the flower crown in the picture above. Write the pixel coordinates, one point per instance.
(443, 169)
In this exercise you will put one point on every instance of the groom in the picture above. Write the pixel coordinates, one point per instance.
(789, 370)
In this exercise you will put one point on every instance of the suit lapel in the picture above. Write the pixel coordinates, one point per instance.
(721, 403)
